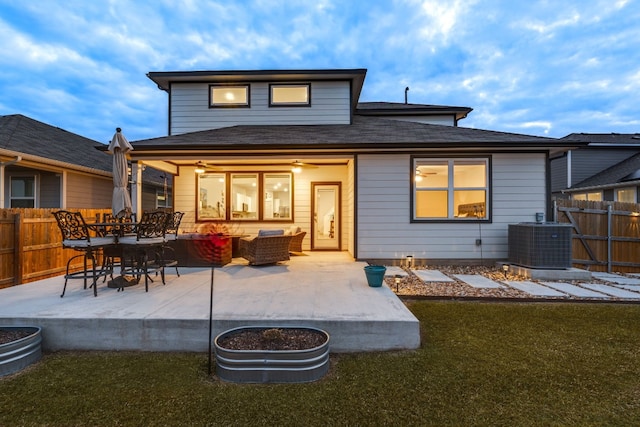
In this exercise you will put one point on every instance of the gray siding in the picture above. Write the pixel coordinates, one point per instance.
(384, 211)
(588, 162)
(558, 168)
(190, 112)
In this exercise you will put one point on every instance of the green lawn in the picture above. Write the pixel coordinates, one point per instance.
(480, 364)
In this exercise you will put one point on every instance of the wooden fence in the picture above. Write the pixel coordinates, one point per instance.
(31, 245)
(606, 235)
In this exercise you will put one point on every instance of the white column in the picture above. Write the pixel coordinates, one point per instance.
(136, 189)
(2, 184)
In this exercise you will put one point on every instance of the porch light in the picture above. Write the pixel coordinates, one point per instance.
(296, 169)
(199, 170)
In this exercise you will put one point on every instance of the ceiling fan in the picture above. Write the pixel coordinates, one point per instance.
(202, 167)
(297, 166)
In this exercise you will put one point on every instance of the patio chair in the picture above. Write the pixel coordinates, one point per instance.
(169, 257)
(76, 236)
(144, 249)
(267, 249)
(296, 242)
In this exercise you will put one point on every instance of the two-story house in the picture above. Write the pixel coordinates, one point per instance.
(275, 148)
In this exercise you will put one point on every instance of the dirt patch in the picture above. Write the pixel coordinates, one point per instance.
(10, 336)
(273, 339)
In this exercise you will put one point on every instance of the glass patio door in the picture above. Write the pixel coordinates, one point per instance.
(326, 216)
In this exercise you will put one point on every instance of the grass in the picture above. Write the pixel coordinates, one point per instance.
(480, 364)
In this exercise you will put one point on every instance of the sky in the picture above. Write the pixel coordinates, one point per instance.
(545, 68)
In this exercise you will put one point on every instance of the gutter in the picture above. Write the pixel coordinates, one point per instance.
(601, 187)
(11, 162)
(56, 163)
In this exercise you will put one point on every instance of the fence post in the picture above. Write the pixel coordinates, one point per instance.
(18, 244)
(609, 232)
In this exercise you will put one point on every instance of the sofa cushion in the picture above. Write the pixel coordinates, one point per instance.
(263, 233)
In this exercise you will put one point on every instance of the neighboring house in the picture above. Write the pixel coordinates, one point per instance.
(620, 183)
(272, 149)
(571, 172)
(43, 166)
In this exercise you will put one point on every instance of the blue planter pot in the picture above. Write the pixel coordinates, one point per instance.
(375, 275)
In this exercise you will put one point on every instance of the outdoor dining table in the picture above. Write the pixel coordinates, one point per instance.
(116, 229)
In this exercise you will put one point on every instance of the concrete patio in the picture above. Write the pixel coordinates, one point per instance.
(326, 290)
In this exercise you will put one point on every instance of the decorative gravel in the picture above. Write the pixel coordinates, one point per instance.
(411, 285)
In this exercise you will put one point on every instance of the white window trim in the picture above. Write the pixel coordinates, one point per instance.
(35, 189)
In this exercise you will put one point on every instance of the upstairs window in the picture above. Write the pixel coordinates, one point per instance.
(290, 95)
(221, 96)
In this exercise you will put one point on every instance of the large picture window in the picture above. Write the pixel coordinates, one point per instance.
(258, 196)
(23, 191)
(451, 189)
(277, 196)
(244, 196)
(212, 196)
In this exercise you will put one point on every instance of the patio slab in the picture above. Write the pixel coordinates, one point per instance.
(535, 289)
(325, 290)
(478, 281)
(575, 290)
(432, 276)
(616, 278)
(612, 290)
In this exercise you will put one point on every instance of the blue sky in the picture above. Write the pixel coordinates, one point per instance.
(546, 68)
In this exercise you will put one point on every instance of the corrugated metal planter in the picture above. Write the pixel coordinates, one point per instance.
(271, 366)
(17, 355)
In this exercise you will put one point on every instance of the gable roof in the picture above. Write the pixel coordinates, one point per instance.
(364, 134)
(40, 142)
(625, 173)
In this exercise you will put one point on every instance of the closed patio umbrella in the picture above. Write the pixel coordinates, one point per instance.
(121, 201)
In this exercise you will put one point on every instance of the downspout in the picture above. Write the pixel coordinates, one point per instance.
(2, 179)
